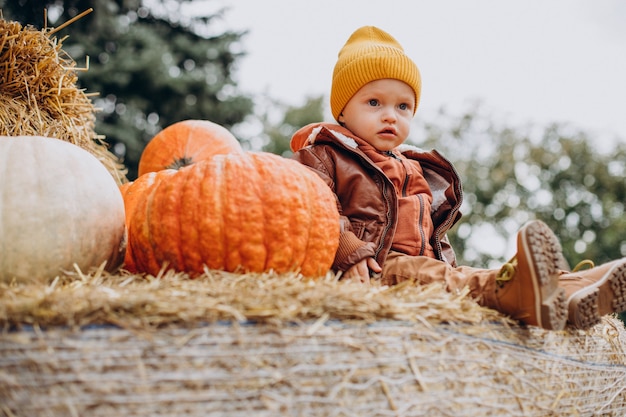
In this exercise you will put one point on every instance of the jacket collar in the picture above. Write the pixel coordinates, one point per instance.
(309, 134)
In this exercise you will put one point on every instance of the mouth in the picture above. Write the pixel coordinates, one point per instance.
(388, 131)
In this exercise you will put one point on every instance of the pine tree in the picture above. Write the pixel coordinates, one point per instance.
(151, 65)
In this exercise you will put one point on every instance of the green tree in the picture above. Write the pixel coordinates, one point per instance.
(152, 66)
(279, 121)
(511, 175)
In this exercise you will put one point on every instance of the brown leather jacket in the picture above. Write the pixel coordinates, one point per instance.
(365, 196)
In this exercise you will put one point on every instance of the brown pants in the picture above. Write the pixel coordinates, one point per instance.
(481, 282)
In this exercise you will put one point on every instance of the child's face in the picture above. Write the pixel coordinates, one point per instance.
(380, 113)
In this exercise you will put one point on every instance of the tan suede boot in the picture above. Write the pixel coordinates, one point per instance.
(527, 287)
(594, 293)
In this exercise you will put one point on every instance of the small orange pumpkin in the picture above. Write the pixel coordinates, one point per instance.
(184, 143)
(247, 212)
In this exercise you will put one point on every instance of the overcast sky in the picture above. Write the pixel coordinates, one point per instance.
(528, 61)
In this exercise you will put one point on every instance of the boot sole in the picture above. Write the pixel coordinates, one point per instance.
(543, 248)
(606, 296)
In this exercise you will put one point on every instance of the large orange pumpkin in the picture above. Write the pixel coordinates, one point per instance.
(185, 143)
(247, 212)
(59, 206)
(133, 192)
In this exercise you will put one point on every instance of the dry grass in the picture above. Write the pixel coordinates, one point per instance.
(146, 302)
(39, 95)
(264, 344)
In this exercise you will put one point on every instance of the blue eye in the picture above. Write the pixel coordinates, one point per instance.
(404, 106)
(373, 102)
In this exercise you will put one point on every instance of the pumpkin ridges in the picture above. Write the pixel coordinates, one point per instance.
(152, 261)
(325, 240)
(140, 237)
(186, 142)
(166, 238)
(129, 258)
(311, 206)
(136, 251)
(212, 246)
(244, 209)
(305, 226)
(128, 262)
(282, 185)
(246, 212)
(132, 193)
(191, 216)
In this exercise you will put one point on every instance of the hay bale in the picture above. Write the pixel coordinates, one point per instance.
(39, 95)
(226, 344)
(383, 369)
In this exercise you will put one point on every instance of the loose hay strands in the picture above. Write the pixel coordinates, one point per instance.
(138, 302)
(39, 95)
(265, 345)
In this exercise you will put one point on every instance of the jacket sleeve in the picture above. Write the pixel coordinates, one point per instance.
(351, 249)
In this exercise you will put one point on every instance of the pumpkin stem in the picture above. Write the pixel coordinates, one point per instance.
(180, 162)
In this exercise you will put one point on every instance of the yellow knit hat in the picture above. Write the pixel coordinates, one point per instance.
(370, 54)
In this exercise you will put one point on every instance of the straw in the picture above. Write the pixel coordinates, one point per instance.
(101, 344)
(39, 94)
(134, 301)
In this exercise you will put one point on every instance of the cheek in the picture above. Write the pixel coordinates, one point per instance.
(405, 123)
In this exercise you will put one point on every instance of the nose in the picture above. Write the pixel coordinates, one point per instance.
(389, 115)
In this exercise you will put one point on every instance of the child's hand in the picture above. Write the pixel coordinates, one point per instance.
(360, 272)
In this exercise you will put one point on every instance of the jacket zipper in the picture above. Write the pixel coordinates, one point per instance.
(421, 205)
(388, 223)
(443, 226)
(419, 226)
(453, 211)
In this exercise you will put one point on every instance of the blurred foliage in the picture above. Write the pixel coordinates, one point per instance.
(274, 122)
(511, 175)
(151, 65)
(293, 118)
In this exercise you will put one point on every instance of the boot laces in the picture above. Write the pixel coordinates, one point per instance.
(507, 272)
(584, 264)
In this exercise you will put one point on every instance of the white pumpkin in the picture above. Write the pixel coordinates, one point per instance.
(59, 206)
